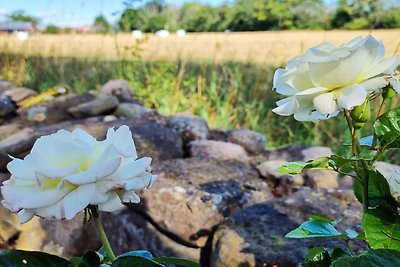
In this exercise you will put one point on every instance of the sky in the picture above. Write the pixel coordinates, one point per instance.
(73, 12)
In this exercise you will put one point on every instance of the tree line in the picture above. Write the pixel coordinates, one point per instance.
(246, 15)
(260, 15)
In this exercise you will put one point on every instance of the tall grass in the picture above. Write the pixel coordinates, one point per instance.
(229, 95)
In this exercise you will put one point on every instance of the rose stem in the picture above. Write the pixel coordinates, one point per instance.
(380, 112)
(356, 148)
(102, 233)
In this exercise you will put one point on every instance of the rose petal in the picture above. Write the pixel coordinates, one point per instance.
(95, 173)
(122, 140)
(325, 103)
(286, 106)
(351, 96)
(387, 66)
(113, 204)
(132, 169)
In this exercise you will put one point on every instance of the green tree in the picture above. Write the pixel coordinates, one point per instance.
(101, 22)
(128, 20)
(52, 29)
(20, 15)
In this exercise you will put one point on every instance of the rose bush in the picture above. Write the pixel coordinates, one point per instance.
(67, 171)
(327, 79)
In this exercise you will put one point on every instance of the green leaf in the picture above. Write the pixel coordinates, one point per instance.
(315, 228)
(382, 229)
(139, 253)
(338, 253)
(378, 191)
(90, 259)
(129, 261)
(366, 155)
(20, 258)
(177, 261)
(338, 162)
(387, 129)
(372, 258)
(318, 257)
(297, 167)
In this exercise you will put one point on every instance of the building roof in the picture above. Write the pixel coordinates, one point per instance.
(16, 26)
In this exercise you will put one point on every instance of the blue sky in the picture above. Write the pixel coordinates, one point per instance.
(72, 12)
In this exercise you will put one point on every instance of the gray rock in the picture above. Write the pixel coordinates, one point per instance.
(73, 235)
(118, 88)
(5, 85)
(192, 196)
(16, 145)
(100, 105)
(253, 142)
(45, 114)
(255, 235)
(300, 153)
(131, 110)
(18, 94)
(386, 169)
(128, 230)
(7, 106)
(189, 126)
(69, 101)
(321, 179)
(218, 150)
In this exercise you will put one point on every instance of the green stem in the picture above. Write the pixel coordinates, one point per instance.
(356, 149)
(380, 112)
(106, 244)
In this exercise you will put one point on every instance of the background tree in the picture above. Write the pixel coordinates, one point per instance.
(20, 15)
(52, 29)
(102, 24)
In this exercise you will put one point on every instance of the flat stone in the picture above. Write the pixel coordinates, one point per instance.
(131, 110)
(45, 114)
(16, 145)
(253, 142)
(18, 94)
(100, 105)
(218, 150)
(300, 153)
(72, 100)
(118, 88)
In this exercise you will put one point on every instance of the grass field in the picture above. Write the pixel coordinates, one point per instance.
(272, 48)
(226, 79)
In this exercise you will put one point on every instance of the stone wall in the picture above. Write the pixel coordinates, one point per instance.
(218, 198)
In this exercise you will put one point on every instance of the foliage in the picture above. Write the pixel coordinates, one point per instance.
(103, 25)
(259, 15)
(52, 29)
(20, 15)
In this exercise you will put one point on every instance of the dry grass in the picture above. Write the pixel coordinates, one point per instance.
(273, 48)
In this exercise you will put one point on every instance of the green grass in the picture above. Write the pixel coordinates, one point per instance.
(228, 96)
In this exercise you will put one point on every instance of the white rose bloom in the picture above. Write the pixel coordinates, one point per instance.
(67, 171)
(327, 79)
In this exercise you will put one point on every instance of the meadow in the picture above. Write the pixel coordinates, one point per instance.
(225, 78)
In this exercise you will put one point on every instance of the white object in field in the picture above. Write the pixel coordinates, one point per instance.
(137, 34)
(23, 36)
(162, 33)
(180, 33)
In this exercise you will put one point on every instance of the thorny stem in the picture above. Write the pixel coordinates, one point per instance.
(97, 221)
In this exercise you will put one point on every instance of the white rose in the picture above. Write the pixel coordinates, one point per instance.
(327, 79)
(67, 171)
